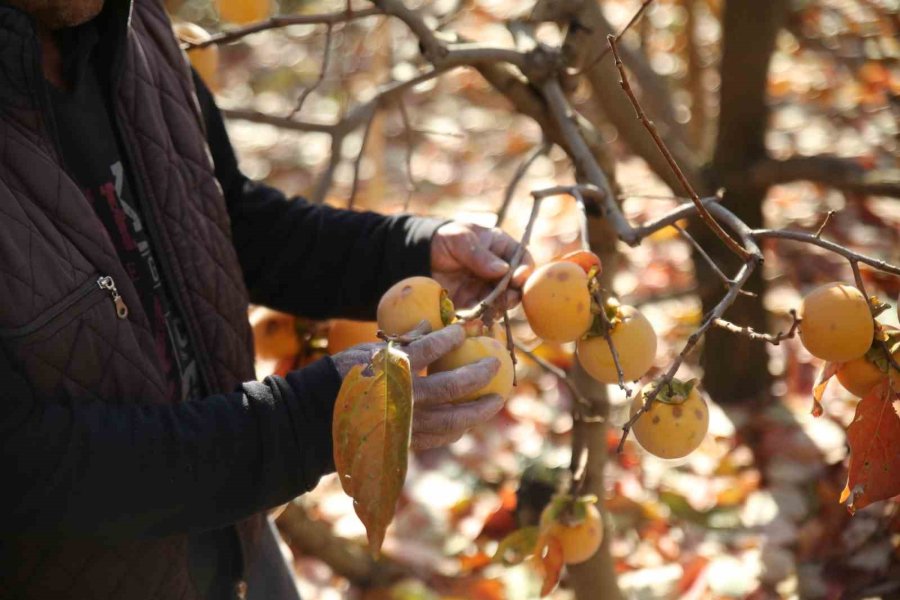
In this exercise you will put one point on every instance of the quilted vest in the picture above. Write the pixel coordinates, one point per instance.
(61, 329)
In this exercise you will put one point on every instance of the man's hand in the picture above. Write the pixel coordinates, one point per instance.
(469, 259)
(436, 420)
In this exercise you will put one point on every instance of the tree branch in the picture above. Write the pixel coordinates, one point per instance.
(833, 171)
(329, 19)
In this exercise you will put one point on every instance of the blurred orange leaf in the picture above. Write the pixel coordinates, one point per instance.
(550, 561)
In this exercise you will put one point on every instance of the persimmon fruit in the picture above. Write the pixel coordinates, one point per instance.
(860, 375)
(204, 60)
(472, 350)
(837, 324)
(557, 301)
(635, 342)
(241, 12)
(676, 422)
(274, 334)
(576, 524)
(344, 334)
(411, 301)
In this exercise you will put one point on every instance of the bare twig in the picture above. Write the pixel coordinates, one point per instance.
(359, 158)
(275, 121)
(764, 337)
(522, 169)
(607, 335)
(799, 236)
(563, 377)
(824, 223)
(411, 184)
(330, 19)
(510, 346)
(704, 254)
(602, 55)
(582, 219)
(704, 214)
(514, 263)
(324, 69)
(716, 313)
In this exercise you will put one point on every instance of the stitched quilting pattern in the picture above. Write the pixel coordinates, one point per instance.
(51, 244)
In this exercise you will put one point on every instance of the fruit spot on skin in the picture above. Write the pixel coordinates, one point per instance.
(408, 303)
(551, 299)
(661, 433)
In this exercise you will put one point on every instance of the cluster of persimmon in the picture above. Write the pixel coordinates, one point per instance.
(838, 327)
(561, 303)
(416, 299)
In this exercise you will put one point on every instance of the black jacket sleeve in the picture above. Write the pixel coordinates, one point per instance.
(118, 471)
(312, 259)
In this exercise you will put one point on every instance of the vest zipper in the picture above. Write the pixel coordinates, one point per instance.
(104, 283)
(162, 258)
(108, 283)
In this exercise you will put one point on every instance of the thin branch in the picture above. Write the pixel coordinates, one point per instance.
(716, 313)
(584, 160)
(514, 263)
(510, 346)
(833, 171)
(281, 122)
(748, 332)
(359, 158)
(824, 223)
(799, 236)
(637, 15)
(561, 375)
(330, 19)
(683, 211)
(607, 335)
(584, 226)
(334, 160)
(411, 184)
(522, 169)
(703, 253)
(705, 216)
(324, 69)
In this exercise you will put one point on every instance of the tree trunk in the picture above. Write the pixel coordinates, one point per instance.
(735, 367)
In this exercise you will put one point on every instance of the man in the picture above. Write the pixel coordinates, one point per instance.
(137, 451)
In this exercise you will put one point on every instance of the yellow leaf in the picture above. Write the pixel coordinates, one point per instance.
(371, 432)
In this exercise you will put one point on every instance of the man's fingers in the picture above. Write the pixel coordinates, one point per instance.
(431, 347)
(454, 419)
(450, 385)
(478, 258)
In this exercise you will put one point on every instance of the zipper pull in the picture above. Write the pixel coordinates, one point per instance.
(107, 283)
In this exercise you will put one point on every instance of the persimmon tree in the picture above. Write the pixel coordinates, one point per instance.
(720, 218)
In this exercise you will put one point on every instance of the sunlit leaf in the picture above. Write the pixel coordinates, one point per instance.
(371, 432)
(828, 371)
(874, 440)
